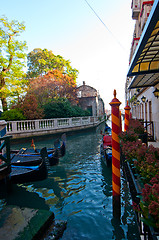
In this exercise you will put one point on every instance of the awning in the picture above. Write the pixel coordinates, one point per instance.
(145, 62)
(145, 80)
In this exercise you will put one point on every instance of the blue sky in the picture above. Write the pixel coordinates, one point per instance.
(71, 29)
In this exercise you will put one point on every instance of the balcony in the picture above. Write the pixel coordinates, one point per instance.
(134, 44)
(145, 11)
(135, 9)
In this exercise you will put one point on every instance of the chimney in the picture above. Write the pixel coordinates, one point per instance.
(83, 82)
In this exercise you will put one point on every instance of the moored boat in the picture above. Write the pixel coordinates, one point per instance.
(26, 160)
(106, 148)
(106, 155)
(24, 174)
(29, 170)
(31, 156)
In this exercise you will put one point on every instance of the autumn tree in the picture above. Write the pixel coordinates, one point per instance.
(12, 60)
(30, 107)
(53, 85)
(40, 62)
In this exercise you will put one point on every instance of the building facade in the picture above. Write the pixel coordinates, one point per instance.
(89, 99)
(142, 83)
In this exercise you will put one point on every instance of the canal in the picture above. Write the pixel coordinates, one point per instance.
(79, 190)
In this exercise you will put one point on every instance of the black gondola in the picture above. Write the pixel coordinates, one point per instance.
(106, 155)
(106, 147)
(30, 169)
(31, 156)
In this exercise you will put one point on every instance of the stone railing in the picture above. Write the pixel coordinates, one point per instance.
(49, 126)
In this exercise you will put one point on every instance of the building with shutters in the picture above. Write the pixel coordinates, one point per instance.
(142, 82)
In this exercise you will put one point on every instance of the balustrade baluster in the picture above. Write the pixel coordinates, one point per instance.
(26, 126)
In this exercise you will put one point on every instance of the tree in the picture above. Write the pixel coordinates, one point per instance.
(13, 115)
(30, 107)
(61, 107)
(12, 60)
(53, 85)
(40, 62)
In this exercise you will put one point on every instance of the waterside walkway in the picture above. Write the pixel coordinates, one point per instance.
(30, 128)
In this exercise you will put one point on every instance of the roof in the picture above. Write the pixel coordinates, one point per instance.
(145, 62)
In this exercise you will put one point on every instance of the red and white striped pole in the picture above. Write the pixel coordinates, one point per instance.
(127, 117)
(116, 127)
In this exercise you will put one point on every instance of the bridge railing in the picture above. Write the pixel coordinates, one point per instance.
(15, 127)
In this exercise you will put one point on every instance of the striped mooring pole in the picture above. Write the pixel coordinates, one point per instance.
(127, 117)
(116, 127)
(120, 121)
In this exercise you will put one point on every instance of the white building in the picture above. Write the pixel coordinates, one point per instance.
(142, 84)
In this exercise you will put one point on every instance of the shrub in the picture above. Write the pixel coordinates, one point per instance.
(12, 115)
(145, 162)
(60, 108)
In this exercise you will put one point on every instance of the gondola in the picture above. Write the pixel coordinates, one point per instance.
(24, 174)
(29, 170)
(31, 156)
(106, 147)
(26, 160)
(106, 155)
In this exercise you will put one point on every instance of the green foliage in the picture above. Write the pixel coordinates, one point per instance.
(12, 115)
(60, 108)
(41, 62)
(79, 112)
(12, 60)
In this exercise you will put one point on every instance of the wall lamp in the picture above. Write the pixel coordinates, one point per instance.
(156, 92)
(134, 103)
(138, 102)
(143, 99)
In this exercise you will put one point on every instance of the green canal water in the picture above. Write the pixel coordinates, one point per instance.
(79, 190)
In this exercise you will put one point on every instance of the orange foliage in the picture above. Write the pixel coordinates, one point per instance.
(54, 84)
(31, 109)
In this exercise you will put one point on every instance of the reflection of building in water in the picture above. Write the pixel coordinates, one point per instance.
(89, 99)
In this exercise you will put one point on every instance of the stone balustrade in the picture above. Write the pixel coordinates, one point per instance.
(28, 128)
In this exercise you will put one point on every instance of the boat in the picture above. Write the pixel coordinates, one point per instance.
(106, 148)
(55, 154)
(106, 155)
(29, 169)
(31, 156)
(26, 160)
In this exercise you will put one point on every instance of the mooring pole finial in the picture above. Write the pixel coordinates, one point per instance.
(114, 93)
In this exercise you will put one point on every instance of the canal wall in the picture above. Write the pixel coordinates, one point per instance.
(40, 127)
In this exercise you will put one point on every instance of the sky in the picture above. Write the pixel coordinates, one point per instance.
(95, 35)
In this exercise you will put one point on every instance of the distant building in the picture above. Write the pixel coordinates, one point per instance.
(142, 83)
(90, 100)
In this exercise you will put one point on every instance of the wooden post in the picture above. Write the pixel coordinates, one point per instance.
(127, 113)
(115, 103)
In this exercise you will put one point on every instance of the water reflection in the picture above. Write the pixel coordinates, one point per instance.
(79, 190)
(19, 196)
(107, 179)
